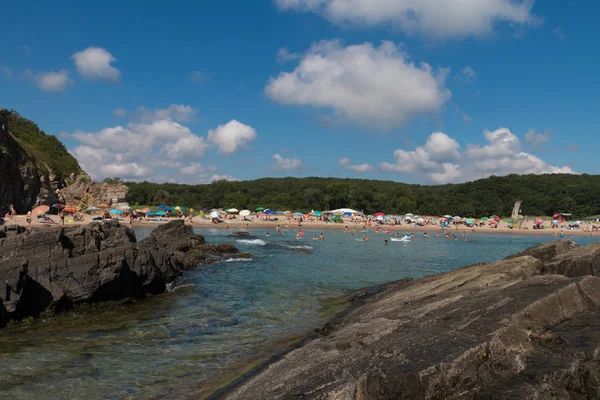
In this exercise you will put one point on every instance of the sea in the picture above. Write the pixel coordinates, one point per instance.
(218, 321)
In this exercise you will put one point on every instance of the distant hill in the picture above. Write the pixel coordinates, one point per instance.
(47, 153)
(541, 195)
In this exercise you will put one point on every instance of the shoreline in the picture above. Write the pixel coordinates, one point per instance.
(292, 226)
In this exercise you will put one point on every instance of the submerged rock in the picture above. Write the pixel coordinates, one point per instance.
(524, 327)
(60, 266)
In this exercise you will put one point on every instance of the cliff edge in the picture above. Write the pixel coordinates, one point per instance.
(524, 327)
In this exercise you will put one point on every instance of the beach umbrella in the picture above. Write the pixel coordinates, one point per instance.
(443, 219)
(287, 212)
(379, 214)
(409, 215)
(58, 205)
(485, 219)
(508, 221)
(318, 213)
(245, 213)
(162, 207)
(347, 214)
(494, 223)
(160, 213)
(150, 213)
(145, 210)
(270, 212)
(299, 214)
(92, 208)
(178, 208)
(260, 208)
(469, 221)
(124, 208)
(538, 221)
(70, 209)
(102, 205)
(40, 210)
(457, 218)
(116, 212)
(232, 210)
(214, 214)
(448, 216)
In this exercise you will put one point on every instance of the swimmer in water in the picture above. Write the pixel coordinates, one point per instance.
(267, 235)
(425, 235)
(298, 235)
(315, 237)
(385, 241)
(321, 236)
(365, 238)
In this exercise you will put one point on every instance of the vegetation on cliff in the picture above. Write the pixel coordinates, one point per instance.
(541, 195)
(46, 152)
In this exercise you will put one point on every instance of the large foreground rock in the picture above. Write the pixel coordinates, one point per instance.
(58, 267)
(513, 329)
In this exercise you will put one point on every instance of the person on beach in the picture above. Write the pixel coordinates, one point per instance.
(191, 214)
(61, 215)
(28, 220)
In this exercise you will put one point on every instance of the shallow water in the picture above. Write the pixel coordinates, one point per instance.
(219, 320)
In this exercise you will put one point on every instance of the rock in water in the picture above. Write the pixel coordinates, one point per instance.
(58, 267)
(525, 327)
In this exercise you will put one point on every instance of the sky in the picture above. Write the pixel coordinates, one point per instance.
(420, 92)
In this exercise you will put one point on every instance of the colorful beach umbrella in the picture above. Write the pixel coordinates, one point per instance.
(485, 219)
(160, 213)
(232, 210)
(245, 213)
(102, 205)
(70, 209)
(299, 214)
(260, 208)
(40, 210)
(58, 205)
(146, 210)
(92, 208)
(116, 212)
(379, 214)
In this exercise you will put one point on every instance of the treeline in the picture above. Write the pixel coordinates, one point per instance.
(47, 152)
(541, 195)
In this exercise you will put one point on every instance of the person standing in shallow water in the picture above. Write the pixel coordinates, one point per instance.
(321, 236)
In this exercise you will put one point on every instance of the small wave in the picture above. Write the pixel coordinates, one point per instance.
(237, 260)
(252, 242)
(171, 287)
(297, 247)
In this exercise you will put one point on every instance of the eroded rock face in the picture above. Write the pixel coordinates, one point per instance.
(524, 327)
(84, 193)
(59, 267)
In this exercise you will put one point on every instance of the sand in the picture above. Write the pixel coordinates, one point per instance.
(291, 225)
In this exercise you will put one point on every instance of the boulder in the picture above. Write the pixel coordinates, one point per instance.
(547, 251)
(61, 266)
(517, 328)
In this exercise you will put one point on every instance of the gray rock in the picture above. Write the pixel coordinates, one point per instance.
(547, 251)
(498, 330)
(58, 267)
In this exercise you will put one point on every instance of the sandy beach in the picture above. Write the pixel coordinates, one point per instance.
(290, 225)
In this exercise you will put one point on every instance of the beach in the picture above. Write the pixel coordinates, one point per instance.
(289, 224)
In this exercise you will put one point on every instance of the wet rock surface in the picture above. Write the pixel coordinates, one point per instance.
(61, 266)
(524, 327)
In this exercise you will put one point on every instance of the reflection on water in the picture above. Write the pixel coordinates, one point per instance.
(218, 320)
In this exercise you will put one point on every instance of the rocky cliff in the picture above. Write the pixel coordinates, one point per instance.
(527, 327)
(54, 268)
(33, 165)
(83, 193)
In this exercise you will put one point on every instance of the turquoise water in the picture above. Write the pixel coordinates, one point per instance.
(221, 319)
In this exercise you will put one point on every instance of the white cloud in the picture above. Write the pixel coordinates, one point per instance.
(284, 55)
(466, 117)
(286, 164)
(54, 81)
(435, 18)
(537, 139)
(159, 150)
(440, 161)
(231, 136)
(198, 77)
(372, 86)
(120, 112)
(467, 74)
(94, 63)
(346, 163)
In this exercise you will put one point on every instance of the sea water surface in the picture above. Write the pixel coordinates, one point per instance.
(219, 320)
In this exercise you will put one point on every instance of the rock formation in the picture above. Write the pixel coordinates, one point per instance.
(58, 267)
(527, 327)
(83, 193)
(22, 183)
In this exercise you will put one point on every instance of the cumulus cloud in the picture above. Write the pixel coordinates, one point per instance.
(346, 163)
(440, 160)
(54, 81)
(372, 86)
(435, 18)
(94, 63)
(231, 136)
(286, 164)
(536, 139)
(157, 150)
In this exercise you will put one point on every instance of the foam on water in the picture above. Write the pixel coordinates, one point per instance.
(230, 260)
(252, 242)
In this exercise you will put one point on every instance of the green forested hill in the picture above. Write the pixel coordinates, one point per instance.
(46, 151)
(541, 195)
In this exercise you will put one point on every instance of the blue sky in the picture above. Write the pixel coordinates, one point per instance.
(194, 91)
